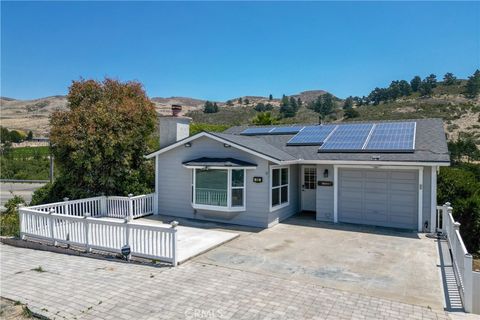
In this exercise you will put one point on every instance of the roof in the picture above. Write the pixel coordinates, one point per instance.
(218, 162)
(430, 145)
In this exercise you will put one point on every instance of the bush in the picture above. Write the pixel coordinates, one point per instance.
(9, 220)
(461, 187)
(351, 113)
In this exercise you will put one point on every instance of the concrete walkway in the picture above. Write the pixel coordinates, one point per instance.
(61, 286)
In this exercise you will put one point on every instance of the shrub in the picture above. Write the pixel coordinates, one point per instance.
(9, 220)
(461, 187)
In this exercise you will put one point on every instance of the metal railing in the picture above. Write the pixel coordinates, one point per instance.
(212, 197)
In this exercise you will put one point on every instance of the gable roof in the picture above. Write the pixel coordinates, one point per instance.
(430, 146)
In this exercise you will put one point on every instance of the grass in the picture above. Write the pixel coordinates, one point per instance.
(39, 269)
(26, 163)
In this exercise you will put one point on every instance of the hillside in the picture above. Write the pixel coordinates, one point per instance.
(447, 102)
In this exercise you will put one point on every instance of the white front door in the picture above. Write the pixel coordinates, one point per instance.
(309, 188)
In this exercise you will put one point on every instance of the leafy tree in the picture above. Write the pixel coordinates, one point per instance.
(263, 118)
(461, 187)
(348, 104)
(9, 220)
(16, 136)
(246, 101)
(415, 83)
(30, 135)
(432, 80)
(288, 107)
(261, 107)
(229, 103)
(449, 79)
(270, 97)
(426, 88)
(351, 113)
(378, 95)
(240, 101)
(210, 107)
(473, 85)
(100, 141)
(405, 88)
(324, 105)
(393, 92)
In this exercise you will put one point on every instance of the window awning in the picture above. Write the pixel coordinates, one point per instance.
(218, 163)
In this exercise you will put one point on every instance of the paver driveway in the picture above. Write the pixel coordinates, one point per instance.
(72, 287)
(395, 264)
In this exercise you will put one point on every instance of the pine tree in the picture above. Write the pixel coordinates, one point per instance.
(473, 85)
(270, 97)
(415, 83)
(449, 79)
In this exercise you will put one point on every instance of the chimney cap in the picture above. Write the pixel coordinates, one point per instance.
(176, 108)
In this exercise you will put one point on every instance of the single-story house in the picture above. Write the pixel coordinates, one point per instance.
(381, 173)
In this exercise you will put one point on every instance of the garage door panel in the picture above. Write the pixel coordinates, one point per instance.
(379, 197)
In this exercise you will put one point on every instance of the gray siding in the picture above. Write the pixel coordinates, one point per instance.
(324, 194)
(175, 184)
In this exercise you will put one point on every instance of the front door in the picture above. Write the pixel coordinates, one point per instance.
(309, 188)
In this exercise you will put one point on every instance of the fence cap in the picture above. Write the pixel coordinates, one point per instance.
(448, 204)
(65, 199)
(174, 224)
(456, 225)
(130, 195)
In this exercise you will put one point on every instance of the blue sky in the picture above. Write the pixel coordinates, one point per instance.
(221, 50)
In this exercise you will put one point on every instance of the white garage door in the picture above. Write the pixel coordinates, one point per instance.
(386, 198)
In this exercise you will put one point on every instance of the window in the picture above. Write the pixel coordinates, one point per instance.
(279, 181)
(219, 189)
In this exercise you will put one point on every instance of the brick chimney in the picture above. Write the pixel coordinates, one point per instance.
(173, 128)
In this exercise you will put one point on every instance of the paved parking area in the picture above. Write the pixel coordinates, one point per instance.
(381, 262)
(61, 286)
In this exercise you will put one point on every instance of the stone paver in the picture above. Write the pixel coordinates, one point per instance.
(72, 287)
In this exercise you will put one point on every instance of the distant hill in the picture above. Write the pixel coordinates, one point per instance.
(460, 114)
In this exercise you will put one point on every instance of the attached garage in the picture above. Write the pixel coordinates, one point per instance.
(379, 197)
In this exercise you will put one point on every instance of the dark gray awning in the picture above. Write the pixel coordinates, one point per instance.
(218, 162)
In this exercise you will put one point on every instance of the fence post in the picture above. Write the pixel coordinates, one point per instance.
(103, 206)
(21, 223)
(87, 231)
(468, 283)
(65, 205)
(51, 226)
(127, 235)
(174, 225)
(130, 205)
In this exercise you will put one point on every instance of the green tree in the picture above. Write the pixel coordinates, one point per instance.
(473, 85)
(246, 101)
(264, 118)
(405, 88)
(261, 107)
(348, 103)
(16, 136)
(240, 101)
(449, 79)
(100, 141)
(324, 105)
(270, 97)
(393, 91)
(30, 135)
(229, 103)
(351, 113)
(431, 80)
(9, 220)
(210, 107)
(299, 102)
(415, 83)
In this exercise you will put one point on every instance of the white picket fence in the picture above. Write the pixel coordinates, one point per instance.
(468, 280)
(79, 223)
(114, 206)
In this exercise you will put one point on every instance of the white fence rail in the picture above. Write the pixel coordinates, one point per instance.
(468, 280)
(153, 242)
(114, 207)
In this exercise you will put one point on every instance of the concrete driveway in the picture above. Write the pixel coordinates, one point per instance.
(381, 262)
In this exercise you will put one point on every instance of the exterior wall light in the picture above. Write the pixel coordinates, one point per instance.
(325, 173)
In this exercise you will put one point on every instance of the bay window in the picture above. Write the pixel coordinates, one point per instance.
(219, 189)
(279, 179)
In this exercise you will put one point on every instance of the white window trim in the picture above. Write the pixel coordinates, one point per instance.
(229, 207)
(270, 187)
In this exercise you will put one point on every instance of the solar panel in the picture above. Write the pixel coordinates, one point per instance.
(347, 137)
(398, 136)
(311, 135)
(256, 131)
(286, 130)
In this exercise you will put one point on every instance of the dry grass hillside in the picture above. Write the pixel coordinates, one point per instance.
(461, 115)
